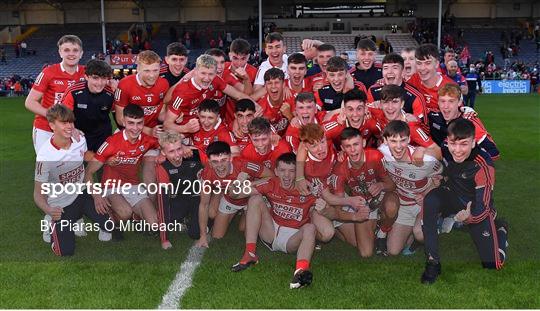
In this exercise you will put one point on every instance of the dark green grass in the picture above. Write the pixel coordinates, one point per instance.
(136, 273)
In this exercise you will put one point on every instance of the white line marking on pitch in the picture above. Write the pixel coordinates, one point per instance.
(183, 279)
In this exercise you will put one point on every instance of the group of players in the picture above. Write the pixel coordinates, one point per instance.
(303, 149)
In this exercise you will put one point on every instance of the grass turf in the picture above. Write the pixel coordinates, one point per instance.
(136, 273)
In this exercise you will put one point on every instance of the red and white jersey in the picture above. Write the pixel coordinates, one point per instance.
(369, 130)
(317, 172)
(431, 95)
(55, 165)
(131, 91)
(127, 154)
(273, 114)
(237, 165)
(359, 179)
(203, 138)
(232, 80)
(53, 82)
(410, 179)
(269, 159)
(307, 86)
(288, 207)
(188, 95)
(264, 66)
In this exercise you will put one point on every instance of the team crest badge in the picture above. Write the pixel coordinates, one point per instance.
(302, 199)
(141, 148)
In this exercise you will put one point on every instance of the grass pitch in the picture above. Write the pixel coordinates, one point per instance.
(135, 273)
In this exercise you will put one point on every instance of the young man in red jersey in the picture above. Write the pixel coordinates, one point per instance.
(51, 84)
(285, 226)
(392, 70)
(188, 94)
(392, 102)
(364, 174)
(212, 128)
(145, 89)
(222, 173)
(297, 81)
(426, 79)
(306, 113)
(365, 70)
(273, 104)
(262, 150)
(122, 154)
(238, 73)
(354, 113)
(244, 112)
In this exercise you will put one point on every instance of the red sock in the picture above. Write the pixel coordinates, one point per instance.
(250, 249)
(302, 264)
(386, 229)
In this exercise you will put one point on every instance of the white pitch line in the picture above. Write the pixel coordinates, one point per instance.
(183, 279)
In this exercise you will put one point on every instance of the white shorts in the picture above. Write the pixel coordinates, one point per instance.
(227, 207)
(131, 194)
(40, 137)
(407, 214)
(282, 235)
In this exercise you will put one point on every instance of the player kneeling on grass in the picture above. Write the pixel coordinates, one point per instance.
(468, 193)
(223, 172)
(285, 225)
(412, 183)
(60, 162)
(122, 154)
(175, 175)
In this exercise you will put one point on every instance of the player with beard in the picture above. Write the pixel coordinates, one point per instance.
(409, 62)
(412, 183)
(451, 106)
(426, 79)
(363, 173)
(366, 71)
(392, 70)
(454, 73)
(263, 149)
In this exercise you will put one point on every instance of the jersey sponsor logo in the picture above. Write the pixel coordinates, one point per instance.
(79, 92)
(173, 171)
(287, 212)
(72, 176)
(82, 106)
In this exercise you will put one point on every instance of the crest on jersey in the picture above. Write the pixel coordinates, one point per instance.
(412, 175)
(141, 148)
(302, 199)
(371, 171)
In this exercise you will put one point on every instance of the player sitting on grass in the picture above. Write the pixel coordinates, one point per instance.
(221, 173)
(285, 225)
(182, 202)
(412, 183)
(122, 154)
(60, 162)
(467, 192)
